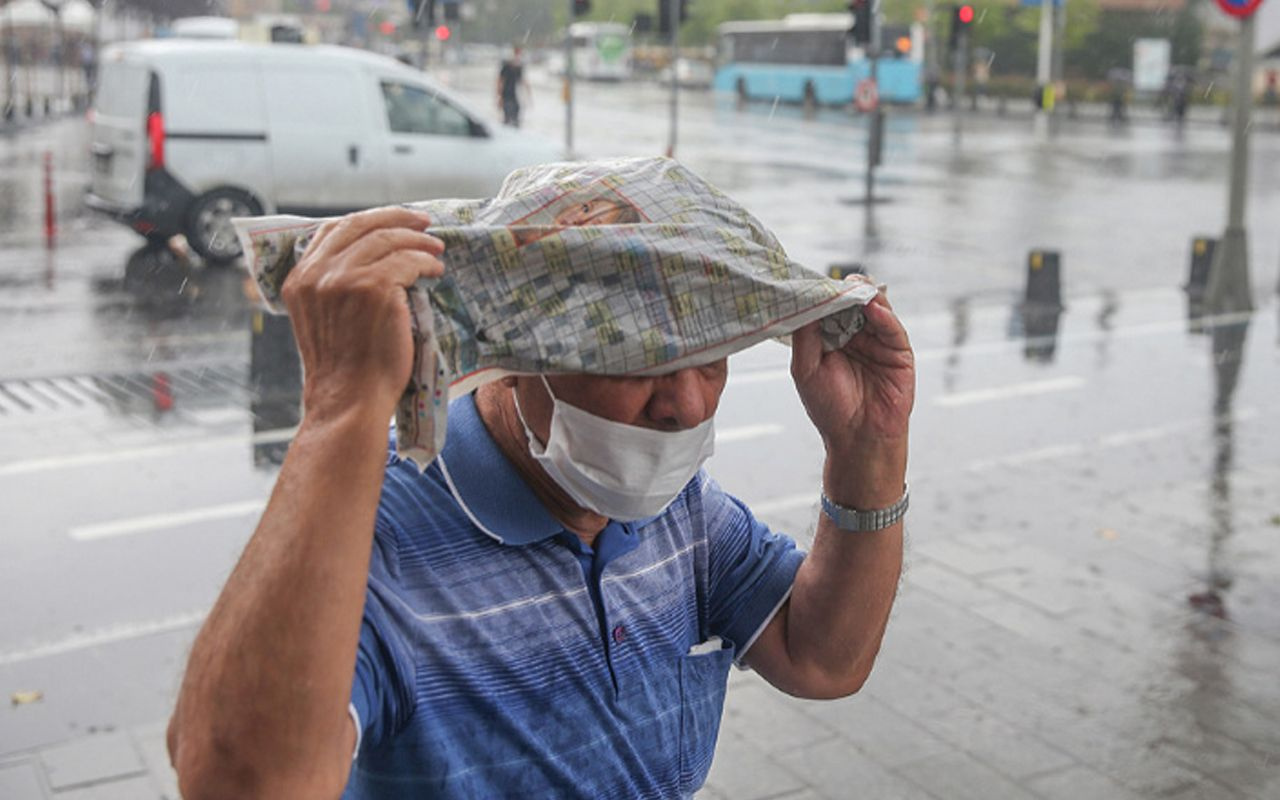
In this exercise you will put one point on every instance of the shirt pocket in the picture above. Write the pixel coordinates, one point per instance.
(702, 685)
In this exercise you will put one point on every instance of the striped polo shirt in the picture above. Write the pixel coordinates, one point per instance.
(500, 657)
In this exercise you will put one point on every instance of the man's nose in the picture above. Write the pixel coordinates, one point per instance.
(681, 400)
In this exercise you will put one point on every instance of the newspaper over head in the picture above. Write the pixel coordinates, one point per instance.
(621, 267)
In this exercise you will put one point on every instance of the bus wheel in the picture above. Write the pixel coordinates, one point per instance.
(741, 88)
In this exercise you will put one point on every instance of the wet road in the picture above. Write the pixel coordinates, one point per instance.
(1095, 515)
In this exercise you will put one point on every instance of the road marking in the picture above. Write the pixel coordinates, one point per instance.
(744, 433)
(155, 522)
(1026, 457)
(118, 633)
(1062, 384)
(150, 451)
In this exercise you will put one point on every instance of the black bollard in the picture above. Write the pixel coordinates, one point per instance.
(1044, 279)
(1202, 248)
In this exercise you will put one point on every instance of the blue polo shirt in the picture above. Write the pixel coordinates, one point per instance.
(501, 657)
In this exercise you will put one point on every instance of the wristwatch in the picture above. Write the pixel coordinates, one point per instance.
(856, 521)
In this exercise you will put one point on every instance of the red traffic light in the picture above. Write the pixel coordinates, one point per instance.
(442, 32)
(965, 14)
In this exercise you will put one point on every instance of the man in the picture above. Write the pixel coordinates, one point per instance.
(510, 82)
(550, 609)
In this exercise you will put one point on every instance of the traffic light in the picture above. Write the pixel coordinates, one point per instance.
(581, 7)
(664, 14)
(442, 33)
(861, 29)
(961, 19)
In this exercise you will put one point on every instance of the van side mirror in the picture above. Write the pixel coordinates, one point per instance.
(478, 130)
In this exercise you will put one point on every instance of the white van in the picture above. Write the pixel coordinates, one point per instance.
(188, 134)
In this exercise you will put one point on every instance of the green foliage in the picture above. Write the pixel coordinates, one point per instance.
(706, 15)
(1095, 40)
(1111, 45)
(1012, 31)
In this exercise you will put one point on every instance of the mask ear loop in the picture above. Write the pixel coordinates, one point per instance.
(534, 442)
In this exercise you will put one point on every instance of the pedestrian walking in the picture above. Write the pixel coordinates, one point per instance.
(511, 83)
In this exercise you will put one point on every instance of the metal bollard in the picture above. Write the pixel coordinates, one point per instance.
(1202, 249)
(50, 207)
(1044, 279)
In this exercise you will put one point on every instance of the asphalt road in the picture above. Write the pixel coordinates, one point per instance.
(136, 448)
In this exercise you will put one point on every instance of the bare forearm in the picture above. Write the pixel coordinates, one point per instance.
(270, 674)
(844, 591)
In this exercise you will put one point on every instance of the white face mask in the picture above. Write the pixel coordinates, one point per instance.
(620, 471)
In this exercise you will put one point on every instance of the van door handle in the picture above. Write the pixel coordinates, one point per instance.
(403, 149)
(353, 155)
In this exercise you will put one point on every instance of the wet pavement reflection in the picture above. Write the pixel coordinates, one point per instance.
(1228, 340)
(1092, 597)
(275, 385)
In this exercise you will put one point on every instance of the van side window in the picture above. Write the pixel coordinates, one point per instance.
(414, 110)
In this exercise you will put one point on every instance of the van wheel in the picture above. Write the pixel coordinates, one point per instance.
(209, 230)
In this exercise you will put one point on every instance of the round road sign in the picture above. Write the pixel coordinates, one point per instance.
(866, 96)
(1239, 8)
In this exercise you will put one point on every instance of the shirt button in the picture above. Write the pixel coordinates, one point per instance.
(619, 633)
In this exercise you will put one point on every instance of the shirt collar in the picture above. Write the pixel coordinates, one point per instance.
(486, 484)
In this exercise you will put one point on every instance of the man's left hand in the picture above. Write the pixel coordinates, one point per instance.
(863, 393)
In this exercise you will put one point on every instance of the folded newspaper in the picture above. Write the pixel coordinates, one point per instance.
(621, 267)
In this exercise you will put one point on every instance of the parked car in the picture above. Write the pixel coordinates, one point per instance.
(188, 134)
(691, 73)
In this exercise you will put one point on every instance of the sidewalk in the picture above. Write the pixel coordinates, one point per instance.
(1090, 607)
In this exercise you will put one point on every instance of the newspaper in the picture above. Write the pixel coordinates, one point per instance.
(619, 267)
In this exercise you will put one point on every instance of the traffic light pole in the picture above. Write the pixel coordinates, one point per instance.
(1044, 68)
(874, 123)
(568, 84)
(1229, 289)
(673, 12)
(960, 70)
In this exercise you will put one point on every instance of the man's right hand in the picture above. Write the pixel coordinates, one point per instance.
(346, 300)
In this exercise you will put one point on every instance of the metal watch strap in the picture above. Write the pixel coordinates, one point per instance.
(851, 519)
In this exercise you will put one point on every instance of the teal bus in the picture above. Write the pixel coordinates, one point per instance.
(809, 58)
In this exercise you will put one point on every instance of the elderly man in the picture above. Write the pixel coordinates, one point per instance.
(550, 609)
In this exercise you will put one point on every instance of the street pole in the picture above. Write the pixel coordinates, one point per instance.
(1060, 36)
(1044, 68)
(568, 84)
(960, 70)
(932, 69)
(873, 119)
(9, 78)
(1229, 289)
(673, 13)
